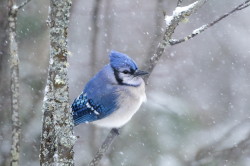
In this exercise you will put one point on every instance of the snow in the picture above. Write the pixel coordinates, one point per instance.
(168, 20)
(56, 158)
(14, 7)
(199, 30)
(178, 11)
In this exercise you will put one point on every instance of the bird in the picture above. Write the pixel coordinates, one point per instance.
(113, 95)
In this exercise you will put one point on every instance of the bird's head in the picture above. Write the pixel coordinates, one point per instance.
(125, 69)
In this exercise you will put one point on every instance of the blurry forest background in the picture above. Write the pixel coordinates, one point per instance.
(198, 108)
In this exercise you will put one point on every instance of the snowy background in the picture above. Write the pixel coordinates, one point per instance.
(198, 108)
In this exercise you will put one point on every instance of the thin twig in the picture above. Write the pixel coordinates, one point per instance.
(105, 145)
(23, 4)
(206, 26)
(243, 7)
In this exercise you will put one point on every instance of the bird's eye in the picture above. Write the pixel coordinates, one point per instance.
(125, 71)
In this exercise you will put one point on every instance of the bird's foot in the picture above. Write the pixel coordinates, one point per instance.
(116, 131)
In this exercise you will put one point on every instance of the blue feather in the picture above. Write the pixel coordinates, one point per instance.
(96, 101)
(119, 60)
(115, 88)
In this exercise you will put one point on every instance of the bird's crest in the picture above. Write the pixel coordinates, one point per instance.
(120, 60)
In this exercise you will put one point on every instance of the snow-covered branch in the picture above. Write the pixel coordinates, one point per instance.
(179, 14)
(206, 26)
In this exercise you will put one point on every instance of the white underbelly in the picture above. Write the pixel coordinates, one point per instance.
(129, 104)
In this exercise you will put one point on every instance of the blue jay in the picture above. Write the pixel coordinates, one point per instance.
(113, 95)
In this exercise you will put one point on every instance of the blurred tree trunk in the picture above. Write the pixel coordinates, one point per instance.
(14, 69)
(95, 34)
(108, 26)
(57, 133)
(5, 110)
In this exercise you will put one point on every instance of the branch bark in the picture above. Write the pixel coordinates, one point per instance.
(57, 132)
(14, 69)
(105, 146)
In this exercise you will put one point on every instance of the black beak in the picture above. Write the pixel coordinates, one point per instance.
(140, 73)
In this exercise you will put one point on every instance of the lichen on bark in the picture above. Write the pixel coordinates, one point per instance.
(57, 135)
(14, 69)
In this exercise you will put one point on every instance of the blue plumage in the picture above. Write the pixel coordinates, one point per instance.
(119, 60)
(96, 94)
(103, 96)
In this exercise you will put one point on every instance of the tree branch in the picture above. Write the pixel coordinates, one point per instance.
(179, 14)
(206, 26)
(23, 4)
(14, 67)
(105, 146)
(57, 132)
(244, 5)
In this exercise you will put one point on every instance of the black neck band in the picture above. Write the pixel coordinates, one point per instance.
(118, 79)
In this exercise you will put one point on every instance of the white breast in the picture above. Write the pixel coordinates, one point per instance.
(130, 100)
